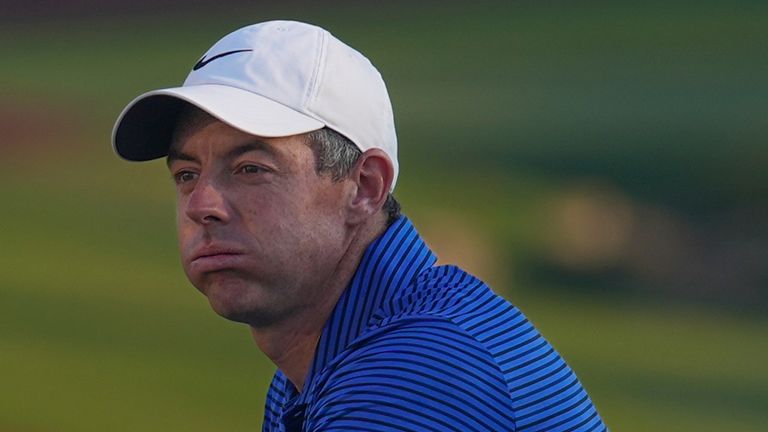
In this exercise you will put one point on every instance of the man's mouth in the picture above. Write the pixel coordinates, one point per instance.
(216, 258)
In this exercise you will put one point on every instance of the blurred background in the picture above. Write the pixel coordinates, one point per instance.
(601, 164)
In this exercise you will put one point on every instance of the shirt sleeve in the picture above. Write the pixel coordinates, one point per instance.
(420, 375)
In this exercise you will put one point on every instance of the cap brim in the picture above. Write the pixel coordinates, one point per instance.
(144, 129)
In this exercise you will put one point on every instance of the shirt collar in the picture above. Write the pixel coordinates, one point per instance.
(386, 270)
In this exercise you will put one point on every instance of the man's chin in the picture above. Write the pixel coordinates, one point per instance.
(256, 316)
(237, 300)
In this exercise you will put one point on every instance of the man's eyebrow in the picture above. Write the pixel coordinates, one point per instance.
(250, 146)
(174, 155)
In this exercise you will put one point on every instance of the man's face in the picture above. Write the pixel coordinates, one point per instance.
(260, 231)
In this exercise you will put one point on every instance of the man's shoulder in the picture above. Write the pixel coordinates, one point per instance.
(452, 325)
(448, 354)
(428, 336)
(448, 294)
(420, 372)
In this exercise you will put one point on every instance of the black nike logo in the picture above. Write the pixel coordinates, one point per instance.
(203, 61)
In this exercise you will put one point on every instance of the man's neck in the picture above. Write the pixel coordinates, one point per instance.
(291, 344)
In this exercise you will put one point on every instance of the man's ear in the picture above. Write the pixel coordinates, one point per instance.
(372, 176)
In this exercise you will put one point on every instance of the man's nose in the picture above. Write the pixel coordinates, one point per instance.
(207, 204)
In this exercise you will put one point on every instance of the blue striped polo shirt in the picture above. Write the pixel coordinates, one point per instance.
(411, 346)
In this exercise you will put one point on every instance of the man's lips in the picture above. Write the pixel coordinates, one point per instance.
(217, 258)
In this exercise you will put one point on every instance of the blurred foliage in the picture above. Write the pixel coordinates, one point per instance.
(602, 164)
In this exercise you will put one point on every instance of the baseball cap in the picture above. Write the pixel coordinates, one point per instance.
(272, 79)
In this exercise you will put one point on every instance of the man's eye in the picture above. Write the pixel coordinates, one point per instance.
(250, 169)
(184, 176)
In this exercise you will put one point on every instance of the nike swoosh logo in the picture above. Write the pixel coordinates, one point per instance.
(203, 61)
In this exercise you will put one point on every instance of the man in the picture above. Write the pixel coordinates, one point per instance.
(282, 145)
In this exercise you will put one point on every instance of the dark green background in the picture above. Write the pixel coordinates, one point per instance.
(602, 164)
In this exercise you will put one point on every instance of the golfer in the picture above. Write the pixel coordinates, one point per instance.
(282, 145)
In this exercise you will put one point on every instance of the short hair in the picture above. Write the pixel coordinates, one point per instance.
(335, 155)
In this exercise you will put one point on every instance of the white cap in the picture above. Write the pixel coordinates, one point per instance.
(272, 79)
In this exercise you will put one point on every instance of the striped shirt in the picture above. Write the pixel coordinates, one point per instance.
(411, 346)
